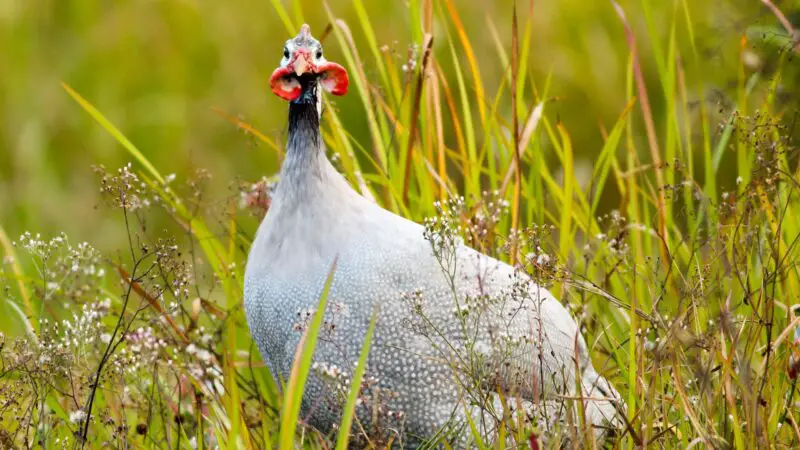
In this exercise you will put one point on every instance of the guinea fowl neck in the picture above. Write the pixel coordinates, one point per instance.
(305, 167)
(304, 136)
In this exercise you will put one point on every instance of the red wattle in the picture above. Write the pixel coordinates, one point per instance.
(283, 85)
(334, 78)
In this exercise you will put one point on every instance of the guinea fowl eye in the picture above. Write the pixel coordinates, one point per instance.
(319, 54)
(286, 53)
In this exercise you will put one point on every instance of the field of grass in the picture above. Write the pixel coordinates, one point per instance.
(648, 149)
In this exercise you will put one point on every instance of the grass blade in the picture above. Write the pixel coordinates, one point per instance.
(284, 16)
(8, 248)
(114, 131)
(607, 156)
(355, 388)
(567, 213)
(301, 368)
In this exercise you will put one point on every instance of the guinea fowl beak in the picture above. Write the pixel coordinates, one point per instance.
(302, 62)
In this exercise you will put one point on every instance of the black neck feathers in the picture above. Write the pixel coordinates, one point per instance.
(304, 115)
(304, 156)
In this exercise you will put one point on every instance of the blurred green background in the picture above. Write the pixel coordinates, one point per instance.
(157, 68)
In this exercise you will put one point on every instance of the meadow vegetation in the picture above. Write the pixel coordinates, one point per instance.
(637, 158)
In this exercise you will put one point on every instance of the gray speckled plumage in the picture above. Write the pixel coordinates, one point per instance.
(316, 217)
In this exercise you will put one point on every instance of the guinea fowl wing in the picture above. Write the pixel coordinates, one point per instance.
(491, 323)
(525, 336)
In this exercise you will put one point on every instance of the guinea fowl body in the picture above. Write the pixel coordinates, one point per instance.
(454, 328)
(382, 260)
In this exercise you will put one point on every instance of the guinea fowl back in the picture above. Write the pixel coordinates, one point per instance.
(428, 354)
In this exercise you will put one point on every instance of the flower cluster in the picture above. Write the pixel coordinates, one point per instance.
(615, 239)
(203, 366)
(82, 334)
(41, 248)
(143, 350)
(174, 273)
(71, 270)
(443, 232)
(329, 320)
(411, 60)
(303, 319)
(125, 189)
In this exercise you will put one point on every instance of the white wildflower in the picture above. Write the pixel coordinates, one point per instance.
(543, 259)
(77, 416)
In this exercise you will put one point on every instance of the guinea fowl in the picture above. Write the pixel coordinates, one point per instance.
(427, 353)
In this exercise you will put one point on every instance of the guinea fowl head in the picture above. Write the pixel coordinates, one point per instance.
(304, 69)
(302, 72)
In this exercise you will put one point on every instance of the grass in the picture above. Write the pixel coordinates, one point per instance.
(683, 283)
